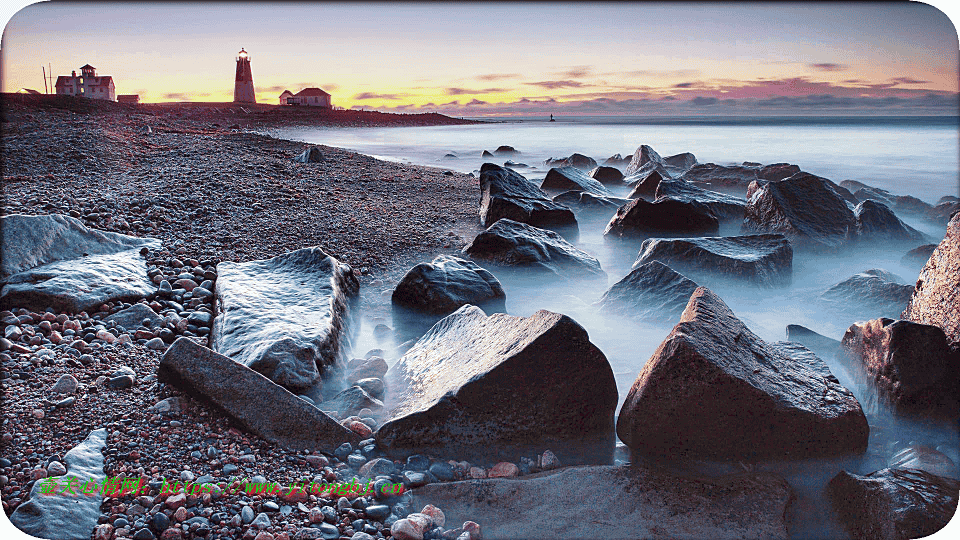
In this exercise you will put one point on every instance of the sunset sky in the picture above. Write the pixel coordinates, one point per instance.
(510, 59)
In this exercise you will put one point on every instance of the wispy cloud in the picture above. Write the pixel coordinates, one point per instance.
(655, 73)
(555, 85)
(908, 80)
(829, 66)
(476, 102)
(373, 95)
(468, 91)
(700, 100)
(576, 72)
(184, 96)
(498, 76)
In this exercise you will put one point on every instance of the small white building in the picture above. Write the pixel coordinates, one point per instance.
(311, 97)
(88, 85)
(284, 96)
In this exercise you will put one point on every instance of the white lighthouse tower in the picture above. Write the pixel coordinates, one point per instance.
(243, 86)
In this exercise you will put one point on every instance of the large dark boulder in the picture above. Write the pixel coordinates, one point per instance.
(936, 296)
(651, 291)
(732, 180)
(777, 171)
(764, 259)
(714, 389)
(627, 502)
(682, 162)
(571, 178)
(872, 293)
(259, 404)
(481, 384)
(506, 194)
(445, 284)
(877, 223)
(893, 504)
(910, 363)
(646, 188)
(505, 150)
(583, 202)
(310, 155)
(607, 175)
(286, 317)
(644, 157)
(578, 161)
(803, 207)
(509, 243)
(55, 261)
(667, 216)
(723, 207)
(62, 516)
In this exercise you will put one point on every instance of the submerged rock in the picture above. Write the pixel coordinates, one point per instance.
(936, 296)
(55, 261)
(506, 194)
(715, 389)
(286, 317)
(941, 213)
(508, 243)
(877, 291)
(578, 161)
(893, 504)
(583, 202)
(263, 407)
(723, 207)
(445, 284)
(925, 459)
(666, 216)
(763, 259)
(617, 161)
(917, 257)
(821, 345)
(607, 175)
(505, 150)
(650, 291)
(64, 516)
(682, 162)
(570, 178)
(877, 223)
(733, 180)
(628, 502)
(803, 207)
(911, 364)
(480, 383)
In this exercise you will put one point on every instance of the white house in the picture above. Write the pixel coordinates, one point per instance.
(283, 97)
(312, 97)
(87, 85)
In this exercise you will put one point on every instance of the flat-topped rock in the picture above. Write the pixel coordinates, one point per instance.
(286, 317)
(55, 261)
(478, 383)
(651, 291)
(733, 179)
(873, 292)
(803, 207)
(877, 223)
(509, 243)
(571, 178)
(259, 404)
(666, 216)
(506, 194)
(936, 296)
(628, 501)
(714, 389)
(724, 207)
(583, 202)
(447, 283)
(578, 161)
(64, 516)
(893, 504)
(764, 259)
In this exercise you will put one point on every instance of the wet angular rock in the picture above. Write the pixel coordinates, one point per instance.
(876, 292)
(936, 296)
(723, 207)
(715, 389)
(643, 157)
(910, 363)
(506, 194)
(583, 202)
(918, 256)
(571, 178)
(578, 161)
(509, 243)
(476, 383)
(893, 504)
(617, 161)
(56, 261)
(311, 155)
(733, 180)
(351, 401)
(639, 502)
(646, 188)
(262, 406)
(64, 517)
(445, 284)
(651, 291)
(505, 150)
(803, 207)
(777, 171)
(607, 175)
(681, 162)
(942, 212)
(667, 216)
(821, 345)
(877, 223)
(285, 317)
(764, 259)
(925, 459)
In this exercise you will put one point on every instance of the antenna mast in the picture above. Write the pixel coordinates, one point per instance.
(45, 90)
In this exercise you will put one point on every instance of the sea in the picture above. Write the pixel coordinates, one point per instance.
(918, 156)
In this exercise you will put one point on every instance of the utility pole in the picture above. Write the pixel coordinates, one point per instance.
(45, 90)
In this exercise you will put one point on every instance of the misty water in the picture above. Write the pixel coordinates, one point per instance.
(907, 157)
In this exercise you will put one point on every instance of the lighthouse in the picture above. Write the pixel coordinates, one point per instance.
(243, 87)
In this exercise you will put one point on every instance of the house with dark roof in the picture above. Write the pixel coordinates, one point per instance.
(87, 85)
(311, 97)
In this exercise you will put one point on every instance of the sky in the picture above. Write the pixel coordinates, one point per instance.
(518, 59)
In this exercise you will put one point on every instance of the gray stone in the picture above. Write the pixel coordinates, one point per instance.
(133, 317)
(66, 517)
(667, 216)
(510, 243)
(246, 514)
(445, 284)
(607, 175)
(506, 194)
(731, 180)
(877, 223)
(264, 407)
(625, 502)
(715, 389)
(66, 384)
(262, 521)
(723, 207)
(764, 260)
(480, 383)
(285, 317)
(651, 291)
(936, 296)
(581, 201)
(155, 344)
(571, 178)
(872, 293)
(579, 161)
(351, 401)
